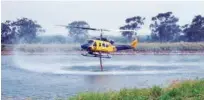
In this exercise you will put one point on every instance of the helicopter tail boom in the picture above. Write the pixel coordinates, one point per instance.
(125, 47)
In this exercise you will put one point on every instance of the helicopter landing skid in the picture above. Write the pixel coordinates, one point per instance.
(96, 55)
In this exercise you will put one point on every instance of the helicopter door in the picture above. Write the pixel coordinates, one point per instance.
(94, 45)
(103, 47)
(99, 47)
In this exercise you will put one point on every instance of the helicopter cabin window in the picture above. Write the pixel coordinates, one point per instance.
(106, 45)
(103, 45)
(90, 41)
(95, 44)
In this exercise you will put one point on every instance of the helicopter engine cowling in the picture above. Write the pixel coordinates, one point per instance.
(111, 41)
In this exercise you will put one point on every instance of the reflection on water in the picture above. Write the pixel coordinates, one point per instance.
(54, 76)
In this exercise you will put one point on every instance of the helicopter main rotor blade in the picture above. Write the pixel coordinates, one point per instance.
(62, 26)
(124, 30)
(86, 28)
(97, 29)
(108, 30)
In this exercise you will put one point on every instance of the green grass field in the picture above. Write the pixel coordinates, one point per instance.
(186, 90)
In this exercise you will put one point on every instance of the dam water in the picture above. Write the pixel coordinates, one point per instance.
(61, 76)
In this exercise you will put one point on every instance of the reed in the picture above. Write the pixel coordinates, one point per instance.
(186, 90)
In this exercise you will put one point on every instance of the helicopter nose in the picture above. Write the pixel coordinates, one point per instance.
(84, 46)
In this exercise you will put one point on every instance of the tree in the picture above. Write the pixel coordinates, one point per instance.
(133, 23)
(6, 33)
(27, 29)
(164, 27)
(195, 31)
(79, 35)
(22, 30)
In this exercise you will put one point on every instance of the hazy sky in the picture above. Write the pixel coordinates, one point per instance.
(99, 14)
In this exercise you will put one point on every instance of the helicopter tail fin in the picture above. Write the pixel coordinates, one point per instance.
(134, 43)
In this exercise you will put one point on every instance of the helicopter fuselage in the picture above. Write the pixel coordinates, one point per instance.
(98, 46)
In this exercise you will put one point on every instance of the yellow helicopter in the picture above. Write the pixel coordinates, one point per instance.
(101, 47)
(96, 46)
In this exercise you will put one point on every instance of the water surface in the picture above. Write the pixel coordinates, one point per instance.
(62, 76)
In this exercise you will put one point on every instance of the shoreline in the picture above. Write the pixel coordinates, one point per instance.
(77, 52)
(177, 48)
(176, 89)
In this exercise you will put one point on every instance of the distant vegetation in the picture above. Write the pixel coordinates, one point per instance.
(181, 47)
(164, 28)
(133, 23)
(164, 31)
(78, 35)
(187, 90)
(22, 30)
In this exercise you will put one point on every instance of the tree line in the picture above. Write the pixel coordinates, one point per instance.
(22, 30)
(164, 28)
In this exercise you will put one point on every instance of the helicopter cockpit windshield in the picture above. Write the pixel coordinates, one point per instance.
(90, 42)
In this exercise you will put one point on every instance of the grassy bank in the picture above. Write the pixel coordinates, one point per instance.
(186, 90)
(142, 47)
(180, 46)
